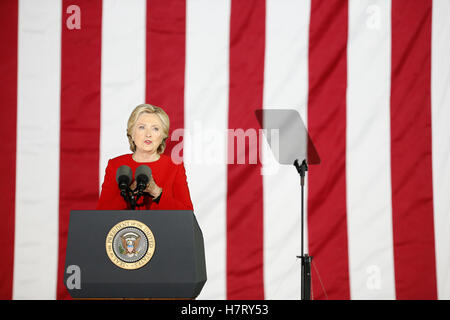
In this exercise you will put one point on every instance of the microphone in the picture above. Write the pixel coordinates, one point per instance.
(143, 175)
(123, 177)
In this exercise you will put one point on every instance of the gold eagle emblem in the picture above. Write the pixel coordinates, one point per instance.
(130, 243)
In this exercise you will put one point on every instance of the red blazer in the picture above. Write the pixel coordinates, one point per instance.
(168, 175)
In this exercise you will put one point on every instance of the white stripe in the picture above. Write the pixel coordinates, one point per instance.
(440, 88)
(123, 73)
(285, 87)
(206, 121)
(37, 180)
(369, 208)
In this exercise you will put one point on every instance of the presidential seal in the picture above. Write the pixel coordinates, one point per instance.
(130, 244)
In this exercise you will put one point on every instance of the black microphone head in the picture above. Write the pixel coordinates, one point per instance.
(143, 174)
(124, 176)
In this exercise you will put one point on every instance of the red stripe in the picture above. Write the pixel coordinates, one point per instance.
(166, 30)
(8, 128)
(411, 164)
(327, 211)
(245, 193)
(80, 119)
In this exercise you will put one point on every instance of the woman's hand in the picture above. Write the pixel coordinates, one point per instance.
(152, 188)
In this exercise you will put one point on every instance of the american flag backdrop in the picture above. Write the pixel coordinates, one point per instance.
(370, 79)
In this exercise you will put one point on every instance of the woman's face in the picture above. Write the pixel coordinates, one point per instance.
(148, 133)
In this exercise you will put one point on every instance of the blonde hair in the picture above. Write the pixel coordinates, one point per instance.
(148, 108)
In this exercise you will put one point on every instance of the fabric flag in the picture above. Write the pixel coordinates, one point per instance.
(369, 78)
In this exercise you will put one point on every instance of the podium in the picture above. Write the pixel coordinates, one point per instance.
(121, 254)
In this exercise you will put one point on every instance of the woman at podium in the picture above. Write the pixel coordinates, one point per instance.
(167, 189)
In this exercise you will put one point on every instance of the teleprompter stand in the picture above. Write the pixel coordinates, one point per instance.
(305, 258)
(290, 143)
